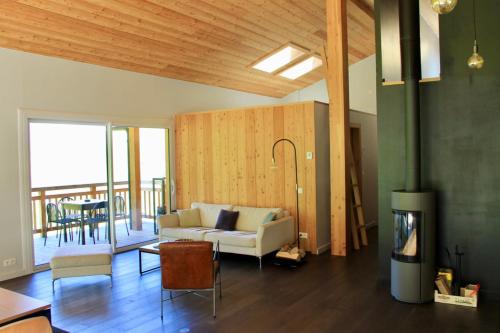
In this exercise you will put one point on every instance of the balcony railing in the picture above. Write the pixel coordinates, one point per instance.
(41, 196)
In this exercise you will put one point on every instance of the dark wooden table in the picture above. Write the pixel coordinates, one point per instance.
(82, 206)
(151, 249)
(15, 306)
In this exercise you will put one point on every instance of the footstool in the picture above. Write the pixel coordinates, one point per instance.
(84, 260)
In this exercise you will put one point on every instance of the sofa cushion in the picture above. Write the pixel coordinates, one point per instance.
(194, 233)
(233, 238)
(226, 220)
(189, 217)
(209, 213)
(251, 218)
(81, 256)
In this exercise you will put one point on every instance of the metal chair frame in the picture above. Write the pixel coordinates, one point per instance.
(59, 219)
(119, 203)
(94, 218)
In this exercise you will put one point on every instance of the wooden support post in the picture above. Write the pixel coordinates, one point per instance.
(338, 91)
(135, 178)
(43, 206)
(93, 191)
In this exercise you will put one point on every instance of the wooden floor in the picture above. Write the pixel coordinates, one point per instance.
(325, 295)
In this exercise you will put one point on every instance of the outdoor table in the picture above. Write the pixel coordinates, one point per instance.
(83, 205)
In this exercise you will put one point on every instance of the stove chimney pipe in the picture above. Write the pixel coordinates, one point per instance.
(409, 26)
(413, 255)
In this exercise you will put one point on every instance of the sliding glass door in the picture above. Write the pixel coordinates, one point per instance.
(140, 168)
(95, 184)
(68, 186)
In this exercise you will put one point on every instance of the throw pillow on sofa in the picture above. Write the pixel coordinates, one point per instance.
(226, 220)
(189, 217)
(252, 217)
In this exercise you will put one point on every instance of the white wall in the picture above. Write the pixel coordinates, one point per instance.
(362, 88)
(33, 81)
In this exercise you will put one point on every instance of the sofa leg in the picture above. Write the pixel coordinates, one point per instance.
(260, 263)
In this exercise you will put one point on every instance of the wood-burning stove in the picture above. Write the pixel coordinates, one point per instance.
(412, 262)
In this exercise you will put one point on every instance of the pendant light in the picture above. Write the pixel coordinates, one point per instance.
(475, 61)
(443, 6)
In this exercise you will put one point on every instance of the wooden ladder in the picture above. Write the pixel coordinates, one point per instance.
(357, 224)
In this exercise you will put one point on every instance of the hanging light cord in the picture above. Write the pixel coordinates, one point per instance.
(474, 13)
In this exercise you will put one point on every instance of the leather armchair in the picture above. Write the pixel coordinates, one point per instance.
(189, 266)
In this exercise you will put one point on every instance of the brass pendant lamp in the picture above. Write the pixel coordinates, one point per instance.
(443, 6)
(475, 61)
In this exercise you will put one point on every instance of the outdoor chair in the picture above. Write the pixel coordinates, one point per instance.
(189, 266)
(55, 216)
(69, 214)
(120, 210)
(98, 214)
(66, 213)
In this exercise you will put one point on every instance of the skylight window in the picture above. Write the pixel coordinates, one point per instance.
(279, 59)
(302, 68)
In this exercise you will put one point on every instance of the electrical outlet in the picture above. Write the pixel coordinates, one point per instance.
(303, 235)
(309, 155)
(300, 190)
(9, 262)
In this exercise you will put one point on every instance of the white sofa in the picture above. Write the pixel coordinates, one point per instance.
(252, 237)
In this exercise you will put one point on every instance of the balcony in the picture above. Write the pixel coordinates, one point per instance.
(140, 229)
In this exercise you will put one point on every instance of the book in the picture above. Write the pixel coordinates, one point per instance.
(442, 285)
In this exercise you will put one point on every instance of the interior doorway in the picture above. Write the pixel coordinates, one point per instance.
(357, 153)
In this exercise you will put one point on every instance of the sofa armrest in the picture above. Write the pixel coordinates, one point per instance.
(273, 235)
(168, 221)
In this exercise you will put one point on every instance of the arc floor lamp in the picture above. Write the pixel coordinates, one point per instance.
(296, 180)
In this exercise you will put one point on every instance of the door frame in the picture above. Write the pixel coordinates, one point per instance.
(24, 116)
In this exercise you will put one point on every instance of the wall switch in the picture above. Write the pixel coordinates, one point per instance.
(303, 235)
(300, 190)
(309, 155)
(9, 262)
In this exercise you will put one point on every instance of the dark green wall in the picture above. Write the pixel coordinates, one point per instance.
(460, 145)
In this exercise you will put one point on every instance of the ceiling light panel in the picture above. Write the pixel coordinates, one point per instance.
(302, 68)
(279, 59)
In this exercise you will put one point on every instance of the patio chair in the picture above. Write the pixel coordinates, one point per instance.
(55, 216)
(120, 210)
(98, 214)
(189, 266)
(68, 214)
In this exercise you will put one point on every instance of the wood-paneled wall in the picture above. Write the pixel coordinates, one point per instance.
(224, 156)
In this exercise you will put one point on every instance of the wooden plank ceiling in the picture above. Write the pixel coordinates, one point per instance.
(205, 41)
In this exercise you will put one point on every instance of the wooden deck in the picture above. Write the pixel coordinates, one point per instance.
(44, 253)
(327, 294)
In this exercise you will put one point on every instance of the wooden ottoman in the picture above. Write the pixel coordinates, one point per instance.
(84, 260)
